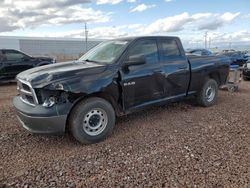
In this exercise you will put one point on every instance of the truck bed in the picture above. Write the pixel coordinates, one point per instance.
(201, 64)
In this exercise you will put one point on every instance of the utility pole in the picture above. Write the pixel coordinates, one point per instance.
(86, 37)
(209, 42)
(205, 40)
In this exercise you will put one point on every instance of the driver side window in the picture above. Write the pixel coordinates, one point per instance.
(13, 56)
(147, 48)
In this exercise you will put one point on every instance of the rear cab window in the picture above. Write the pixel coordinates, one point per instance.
(170, 48)
(147, 48)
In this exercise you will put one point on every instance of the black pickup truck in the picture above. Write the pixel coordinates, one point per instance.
(115, 78)
(13, 62)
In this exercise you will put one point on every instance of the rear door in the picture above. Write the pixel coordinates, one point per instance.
(175, 66)
(15, 62)
(143, 83)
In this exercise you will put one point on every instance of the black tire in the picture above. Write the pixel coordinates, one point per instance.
(89, 114)
(245, 78)
(204, 98)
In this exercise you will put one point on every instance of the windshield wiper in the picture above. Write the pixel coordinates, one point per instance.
(92, 61)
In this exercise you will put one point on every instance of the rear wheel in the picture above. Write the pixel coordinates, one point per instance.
(92, 120)
(208, 94)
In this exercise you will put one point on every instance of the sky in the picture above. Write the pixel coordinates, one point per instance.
(225, 21)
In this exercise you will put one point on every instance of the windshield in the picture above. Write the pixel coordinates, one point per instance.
(106, 52)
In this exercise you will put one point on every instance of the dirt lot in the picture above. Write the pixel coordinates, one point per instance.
(179, 145)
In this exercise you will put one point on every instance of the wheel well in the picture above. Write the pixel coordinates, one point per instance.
(102, 95)
(216, 77)
(110, 99)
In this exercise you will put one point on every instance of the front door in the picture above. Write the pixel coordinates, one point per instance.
(142, 83)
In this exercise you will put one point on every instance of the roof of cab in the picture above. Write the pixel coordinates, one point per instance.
(146, 37)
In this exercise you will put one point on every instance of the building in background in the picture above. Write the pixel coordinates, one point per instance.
(61, 48)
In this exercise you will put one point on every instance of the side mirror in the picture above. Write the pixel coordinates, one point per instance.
(135, 60)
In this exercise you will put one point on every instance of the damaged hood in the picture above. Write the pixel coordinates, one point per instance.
(44, 75)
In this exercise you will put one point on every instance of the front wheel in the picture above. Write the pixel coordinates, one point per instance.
(208, 94)
(92, 120)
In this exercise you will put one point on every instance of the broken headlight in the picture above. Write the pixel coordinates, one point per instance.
(49, 102)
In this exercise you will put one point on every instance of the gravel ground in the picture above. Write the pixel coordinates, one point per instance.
(179, 145)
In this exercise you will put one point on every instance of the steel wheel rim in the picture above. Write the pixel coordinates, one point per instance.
(210, 93)
(95, 122)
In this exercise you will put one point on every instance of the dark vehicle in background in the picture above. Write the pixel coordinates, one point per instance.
(228, 51)
(116, 77)
(237, 57)
(246, 70)
(247, 54)
(13, 62)
(199, 52)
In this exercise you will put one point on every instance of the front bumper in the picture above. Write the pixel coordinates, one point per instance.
(43, 125)
(38, 119)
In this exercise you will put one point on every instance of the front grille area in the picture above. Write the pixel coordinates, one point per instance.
(26, 93)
